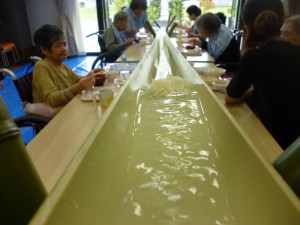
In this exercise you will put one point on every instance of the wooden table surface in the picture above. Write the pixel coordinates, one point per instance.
(134, 53)
(55, 146)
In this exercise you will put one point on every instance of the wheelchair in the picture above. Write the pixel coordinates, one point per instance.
(105, 56)
(23, 86)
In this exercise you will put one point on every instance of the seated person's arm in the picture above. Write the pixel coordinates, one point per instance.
(185, 27)
(182, 26)
(128, 42)
(198, 41)
(231, 100)
(111, 44)
(85, 82)
(189, 30)
(195, 35)
(241, 85)
(116, 48)
(195, 41)
(47, 90)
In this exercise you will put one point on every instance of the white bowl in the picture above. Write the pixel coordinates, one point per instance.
(220, 84)
(208, 80)
(210, 71)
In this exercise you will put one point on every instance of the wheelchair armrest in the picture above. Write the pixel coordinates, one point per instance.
(35, 121)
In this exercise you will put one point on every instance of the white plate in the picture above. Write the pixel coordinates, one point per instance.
(87, 95)
(194, 52)
(215, 88)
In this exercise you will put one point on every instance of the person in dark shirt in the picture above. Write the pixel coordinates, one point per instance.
(268, 72)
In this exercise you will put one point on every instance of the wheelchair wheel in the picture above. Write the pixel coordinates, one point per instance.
(100, 61)
(34, 121)
(103, 59)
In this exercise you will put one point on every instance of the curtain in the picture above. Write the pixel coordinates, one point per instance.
(294, 7)
(69, 22)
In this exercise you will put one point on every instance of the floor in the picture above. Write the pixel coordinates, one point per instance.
(81, 65)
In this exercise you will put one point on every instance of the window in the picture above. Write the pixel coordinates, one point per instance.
(92, 21)
(89, 25)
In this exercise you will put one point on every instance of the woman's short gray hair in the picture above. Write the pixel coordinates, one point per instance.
(208, 23)
(120, 16)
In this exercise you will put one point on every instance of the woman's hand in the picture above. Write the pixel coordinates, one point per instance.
(188, 30)
(195, 41)
(87, 82)
(129, 41)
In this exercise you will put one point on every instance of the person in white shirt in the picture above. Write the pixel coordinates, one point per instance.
(137, 16)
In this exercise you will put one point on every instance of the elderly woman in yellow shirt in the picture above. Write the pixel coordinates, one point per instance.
(54, 84)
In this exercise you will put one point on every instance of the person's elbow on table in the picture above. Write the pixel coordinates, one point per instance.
(230, 100)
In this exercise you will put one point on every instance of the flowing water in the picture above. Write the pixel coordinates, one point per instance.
(173, 174)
